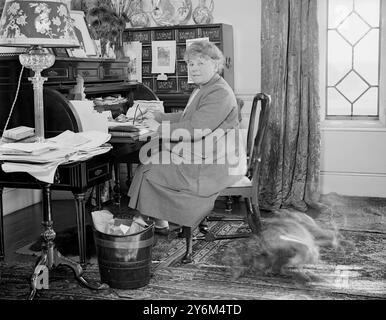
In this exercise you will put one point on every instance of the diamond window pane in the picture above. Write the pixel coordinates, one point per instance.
(353, 28)
(366, 57)
(367, 104)
(339, 58)
(337, 104)
(338, 10)
(352, 86)
(369, 10)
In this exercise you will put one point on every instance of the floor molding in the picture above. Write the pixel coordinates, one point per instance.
(16, 199)
(353, 184)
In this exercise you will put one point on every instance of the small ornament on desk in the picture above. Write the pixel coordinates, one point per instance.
(78, 90)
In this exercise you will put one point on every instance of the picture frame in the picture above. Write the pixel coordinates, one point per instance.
(163, 57)
(133, 51)
(87, 46)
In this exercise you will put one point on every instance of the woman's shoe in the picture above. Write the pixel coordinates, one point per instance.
(161, 227)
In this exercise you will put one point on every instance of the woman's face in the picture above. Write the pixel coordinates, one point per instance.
(201, 69)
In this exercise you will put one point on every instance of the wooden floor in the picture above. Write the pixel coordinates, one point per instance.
(24, 226)
(355, 274)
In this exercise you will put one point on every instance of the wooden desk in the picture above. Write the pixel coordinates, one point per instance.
(76, 177)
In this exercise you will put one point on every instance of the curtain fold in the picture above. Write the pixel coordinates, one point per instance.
(289, 175)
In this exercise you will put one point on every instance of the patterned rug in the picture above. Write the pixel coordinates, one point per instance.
(355, 272)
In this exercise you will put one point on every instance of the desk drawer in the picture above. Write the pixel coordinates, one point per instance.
(97, 172)
(114, 73)
(87, 73)
(60, 73)
(81, 176)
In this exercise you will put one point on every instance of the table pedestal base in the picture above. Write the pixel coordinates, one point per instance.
(51, 257)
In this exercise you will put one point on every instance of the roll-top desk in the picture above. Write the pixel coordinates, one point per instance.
(101, 78)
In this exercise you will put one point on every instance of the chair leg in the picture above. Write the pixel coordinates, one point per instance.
(117, 184)
(228, 204)
(253, 216)
(129, 174)
(187, 258)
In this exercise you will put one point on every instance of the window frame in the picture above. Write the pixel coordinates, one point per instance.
(343, 121)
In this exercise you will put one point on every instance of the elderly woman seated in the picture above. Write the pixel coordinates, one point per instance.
(200, 153)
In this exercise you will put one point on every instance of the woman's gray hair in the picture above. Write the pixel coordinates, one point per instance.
(205, 49)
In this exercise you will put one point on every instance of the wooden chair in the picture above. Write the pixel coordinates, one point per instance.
(247, 187)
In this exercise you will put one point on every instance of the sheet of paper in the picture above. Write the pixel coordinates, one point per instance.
(151, 124)
(69, 139)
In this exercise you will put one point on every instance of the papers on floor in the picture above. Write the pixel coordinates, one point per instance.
(66, 147)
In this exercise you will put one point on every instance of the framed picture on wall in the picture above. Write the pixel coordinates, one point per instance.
(87, 46)
(133, 50)
(163, 56)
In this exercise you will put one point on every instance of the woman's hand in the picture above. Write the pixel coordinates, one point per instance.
(157, 116)
(147, 115)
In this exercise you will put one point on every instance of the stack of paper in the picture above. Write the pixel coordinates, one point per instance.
(66, 147)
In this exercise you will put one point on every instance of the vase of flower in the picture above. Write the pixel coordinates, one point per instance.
(108, 21)
(118, 46)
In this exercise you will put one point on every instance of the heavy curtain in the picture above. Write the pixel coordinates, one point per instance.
(289, 175)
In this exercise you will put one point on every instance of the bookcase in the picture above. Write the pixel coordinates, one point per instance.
(175, 90)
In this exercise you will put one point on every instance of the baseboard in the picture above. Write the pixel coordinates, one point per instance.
(353, 184)
(16, 199)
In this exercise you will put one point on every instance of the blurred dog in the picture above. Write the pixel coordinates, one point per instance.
(288, 241)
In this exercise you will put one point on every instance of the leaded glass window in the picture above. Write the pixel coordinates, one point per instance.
(353, 56)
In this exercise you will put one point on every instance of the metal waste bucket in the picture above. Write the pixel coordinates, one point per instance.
(125, 260)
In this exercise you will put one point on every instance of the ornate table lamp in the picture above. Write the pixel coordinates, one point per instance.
(37, 25)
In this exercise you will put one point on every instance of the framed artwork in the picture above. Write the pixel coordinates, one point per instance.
(163, 56)
(87, 46)
(133, 50)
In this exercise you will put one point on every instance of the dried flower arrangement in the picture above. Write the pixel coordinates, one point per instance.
(107, 21)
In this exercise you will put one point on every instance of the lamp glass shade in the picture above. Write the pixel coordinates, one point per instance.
(44, 23)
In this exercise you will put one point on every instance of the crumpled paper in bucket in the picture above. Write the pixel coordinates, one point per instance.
(105, 222)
